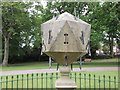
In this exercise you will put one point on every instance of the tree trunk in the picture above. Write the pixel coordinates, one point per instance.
(6, 51)
(111, 46)
(93, 53)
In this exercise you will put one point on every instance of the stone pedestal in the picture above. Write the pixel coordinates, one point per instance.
(65, 83)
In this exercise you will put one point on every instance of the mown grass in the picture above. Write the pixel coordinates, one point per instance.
(106, 60)
(85, 79)
(44, 65)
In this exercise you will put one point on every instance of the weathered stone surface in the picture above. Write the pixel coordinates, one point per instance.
(65, 38)
(65, 81)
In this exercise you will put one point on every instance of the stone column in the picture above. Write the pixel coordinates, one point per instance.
(65, 83)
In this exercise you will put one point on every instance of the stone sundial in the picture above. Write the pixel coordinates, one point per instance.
(65, 38)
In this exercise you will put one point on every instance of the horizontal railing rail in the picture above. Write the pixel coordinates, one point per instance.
(47, 80)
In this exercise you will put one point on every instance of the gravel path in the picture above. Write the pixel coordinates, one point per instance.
(18, 72)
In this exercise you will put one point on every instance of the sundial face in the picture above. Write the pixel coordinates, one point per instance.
(65, 38)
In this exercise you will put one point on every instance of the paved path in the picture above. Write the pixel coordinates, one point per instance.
(18, 72)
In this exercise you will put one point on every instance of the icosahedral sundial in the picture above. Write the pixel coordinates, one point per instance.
(65, 38)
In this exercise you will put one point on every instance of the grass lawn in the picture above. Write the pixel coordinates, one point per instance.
(106, 60)
(39, 81)
(101, 73)
(43, 81)
(95, 77)
(44, 65)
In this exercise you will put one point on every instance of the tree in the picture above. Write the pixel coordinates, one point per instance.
(105, 21)
(111, 22)
(15, 19)
(83, 11)
(96, 32)
(56, 8)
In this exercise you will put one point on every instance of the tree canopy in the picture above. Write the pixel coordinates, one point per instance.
(21, 25)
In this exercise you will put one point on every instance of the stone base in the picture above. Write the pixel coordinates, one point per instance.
(65, 88)
(65, 83)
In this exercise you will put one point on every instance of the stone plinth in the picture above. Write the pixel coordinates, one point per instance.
(65, 83)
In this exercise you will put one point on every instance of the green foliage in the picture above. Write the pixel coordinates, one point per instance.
(21, 23)
(105, 22)
(22, 26)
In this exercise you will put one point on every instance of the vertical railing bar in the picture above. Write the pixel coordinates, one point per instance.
(6, 82)
(12, 83)
(17, 81)
(32, 81)
(89, 81)
(42, 80)
(75, 77)
(22, 81)
(80, 81)
(46, 79)
(109, 82)
(85, 81)
(27, 81)
(99, 82)
(94, 82)
(1, 82)
(70, 75)
(56, 75)
(37, 80)
(52, 80)
(104, 81)
(115, 82)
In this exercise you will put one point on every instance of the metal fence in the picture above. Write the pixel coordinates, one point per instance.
(47, 80)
